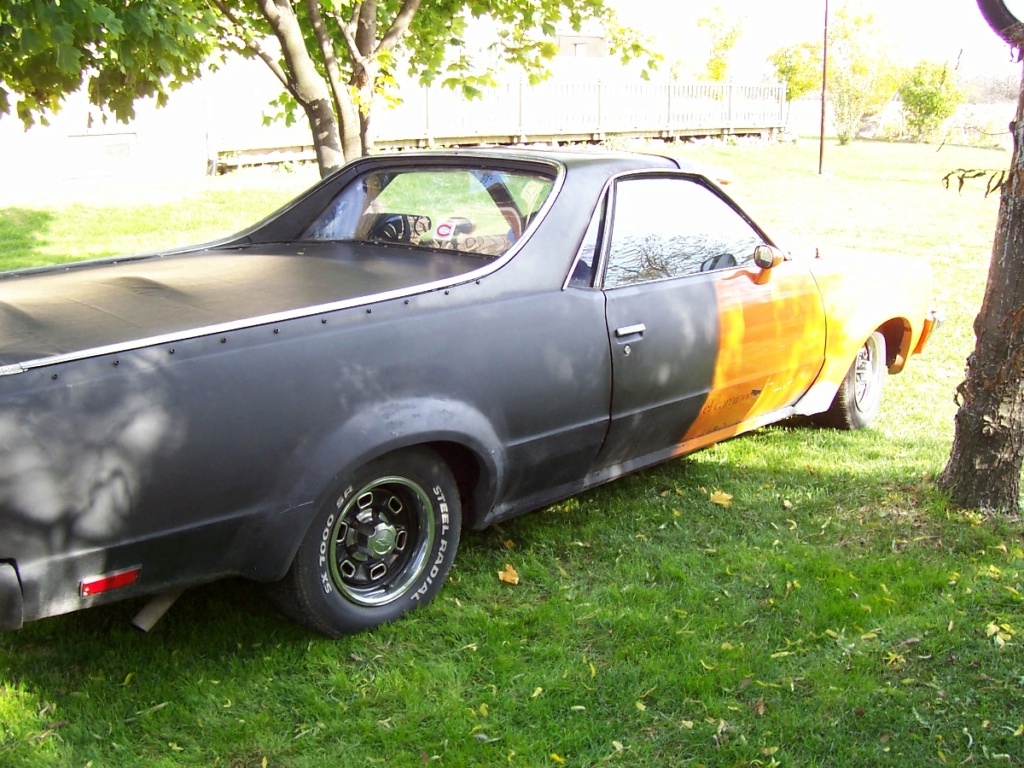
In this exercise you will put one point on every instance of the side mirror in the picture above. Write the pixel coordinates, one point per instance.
(766, 257)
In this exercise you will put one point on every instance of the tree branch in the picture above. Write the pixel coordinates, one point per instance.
(326, 44)
(348, 31)
(257, 49)
(366, 28)
(399, 27)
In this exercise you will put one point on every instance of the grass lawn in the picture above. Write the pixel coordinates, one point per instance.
(837, 612)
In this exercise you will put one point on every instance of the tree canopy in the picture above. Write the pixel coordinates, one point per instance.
(798, 67)
(724, 31)
(930, 96)
(122, 49)
(334, 59)
(861, 76)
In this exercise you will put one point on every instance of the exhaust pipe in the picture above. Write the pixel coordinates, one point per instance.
(155, 609)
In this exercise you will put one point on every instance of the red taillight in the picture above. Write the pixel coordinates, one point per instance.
(109, 581)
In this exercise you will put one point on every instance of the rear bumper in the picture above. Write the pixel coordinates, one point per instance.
(12, 610)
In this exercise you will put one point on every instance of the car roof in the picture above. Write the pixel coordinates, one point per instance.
(570, 157)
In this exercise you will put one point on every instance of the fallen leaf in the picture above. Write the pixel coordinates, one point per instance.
(687, 724)
(578, 708)
(509, 575)
(641, 706)
(557, 759)
(537, 692)
(618, 746)
(758, 707)
(1000, 633)
(509, 544)
(721, 497)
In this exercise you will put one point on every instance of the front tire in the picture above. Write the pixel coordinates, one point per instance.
(379, 546)
(859, 397)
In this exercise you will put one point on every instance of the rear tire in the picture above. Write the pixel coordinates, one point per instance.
(379, 546)
(859, 397)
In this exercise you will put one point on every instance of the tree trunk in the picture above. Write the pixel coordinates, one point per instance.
(984, 465)
(326, 139)
(364, 72)
(351, 131)
(307, 85)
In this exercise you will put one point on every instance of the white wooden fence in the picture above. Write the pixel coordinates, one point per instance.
(559, 112)
(581, 111)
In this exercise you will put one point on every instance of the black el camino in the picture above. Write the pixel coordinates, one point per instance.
(421, 342)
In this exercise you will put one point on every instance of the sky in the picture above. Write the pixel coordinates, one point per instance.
(943, 31)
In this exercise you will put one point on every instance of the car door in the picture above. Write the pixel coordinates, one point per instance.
(703, 342)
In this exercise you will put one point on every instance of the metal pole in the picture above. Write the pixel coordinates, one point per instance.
(824, 80)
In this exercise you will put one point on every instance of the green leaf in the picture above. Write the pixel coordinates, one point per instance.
(30, 42)
(68, 59)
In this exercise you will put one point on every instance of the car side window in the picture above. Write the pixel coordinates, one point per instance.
(667, 227)
(583, 269)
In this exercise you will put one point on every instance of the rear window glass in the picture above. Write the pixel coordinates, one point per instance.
(470, 210)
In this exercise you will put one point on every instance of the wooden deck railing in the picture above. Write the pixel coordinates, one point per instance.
(581, 111)
(556, 112)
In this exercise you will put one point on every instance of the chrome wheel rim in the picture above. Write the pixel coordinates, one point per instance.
(868, 370)
(380, 541)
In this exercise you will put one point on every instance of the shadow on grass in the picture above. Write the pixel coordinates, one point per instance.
(225, 638)
(22, 231)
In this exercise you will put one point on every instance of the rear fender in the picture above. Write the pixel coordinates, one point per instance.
(375, 431)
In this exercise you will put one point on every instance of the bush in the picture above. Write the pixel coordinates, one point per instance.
(930, 97)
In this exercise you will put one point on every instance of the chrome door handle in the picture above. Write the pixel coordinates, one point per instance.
(630, 330)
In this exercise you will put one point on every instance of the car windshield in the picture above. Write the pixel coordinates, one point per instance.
(481, 211)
